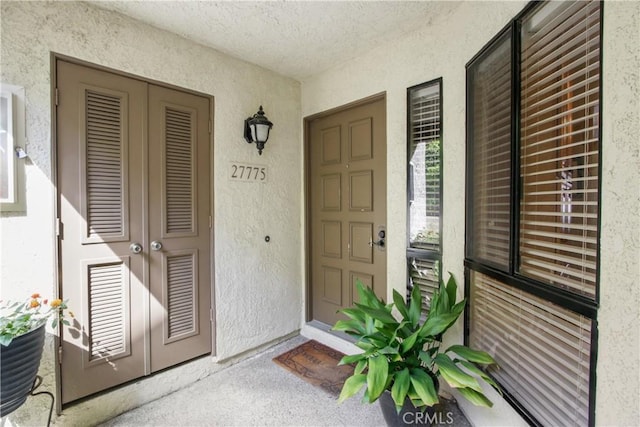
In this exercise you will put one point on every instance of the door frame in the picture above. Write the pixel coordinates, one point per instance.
(307, 184)
(54, 57)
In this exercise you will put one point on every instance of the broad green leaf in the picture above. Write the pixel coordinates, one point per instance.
(474, 369)
(409, 342)
(377, 376)
(388, 350)
(351, 386)
(400, 304)
(452, 289)
(349, 326)
(455, 376)
(443, 302)
(434, 306)
(476, 398)
(367, 296)
(360, 367)
(353, 313)
(437, 324)
(457, 311)
(423, 385)
(472, 355)
(351, 358)
(380, 314)
(378, 341)
(415, 306)
(400, 387)
(5, 339)
(366, 346)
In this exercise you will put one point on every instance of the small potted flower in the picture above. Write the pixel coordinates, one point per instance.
(22, 327)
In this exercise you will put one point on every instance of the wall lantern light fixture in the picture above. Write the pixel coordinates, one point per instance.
(256, 129)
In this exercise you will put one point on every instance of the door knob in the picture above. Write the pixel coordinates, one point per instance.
(135, 248)
(156, 245)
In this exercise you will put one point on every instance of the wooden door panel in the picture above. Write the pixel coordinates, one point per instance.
(361, 191)
(331, 190)
(332, 286)
(361, 139)
(360, 238)
(347, 174)
(100, 143)
(332, 239)
(331, 146)
(179, 191)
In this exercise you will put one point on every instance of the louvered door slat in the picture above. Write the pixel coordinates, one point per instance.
(105, 196)
(182, 310)
(107, 284)
(180, 154)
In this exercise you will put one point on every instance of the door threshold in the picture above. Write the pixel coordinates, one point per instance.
(321, 332)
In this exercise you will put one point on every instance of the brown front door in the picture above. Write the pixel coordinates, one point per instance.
(347, 178)
(134, 207)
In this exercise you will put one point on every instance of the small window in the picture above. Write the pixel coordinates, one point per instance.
(12, 153)
(424, 186)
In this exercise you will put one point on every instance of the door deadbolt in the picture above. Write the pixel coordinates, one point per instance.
(135, 248)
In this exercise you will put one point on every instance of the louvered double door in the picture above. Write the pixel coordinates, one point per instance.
(134, 199)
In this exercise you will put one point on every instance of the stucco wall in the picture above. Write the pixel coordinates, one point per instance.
(258, 286)
(443, 50)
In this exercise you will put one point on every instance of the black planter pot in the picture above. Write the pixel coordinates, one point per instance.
(409, 415)
(19, 363)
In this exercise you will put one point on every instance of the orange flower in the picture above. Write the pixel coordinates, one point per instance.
(56, 303)
(36, 295)
(34, 303)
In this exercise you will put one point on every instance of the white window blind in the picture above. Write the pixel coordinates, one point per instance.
(543, 350)
(491, 168)
(424, 167)
(425, 274)
(559, 137)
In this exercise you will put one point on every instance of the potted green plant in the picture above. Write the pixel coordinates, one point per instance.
(402, 361)
(22, 327)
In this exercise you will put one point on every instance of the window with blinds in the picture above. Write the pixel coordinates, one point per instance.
(490, 136)
(543, 350)
(424, 148)
(559, 141)
(533, 204)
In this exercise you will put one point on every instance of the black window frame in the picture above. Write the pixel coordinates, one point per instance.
(585, 306)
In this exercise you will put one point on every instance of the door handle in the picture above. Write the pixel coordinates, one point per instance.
(135, 248)
(381, 234)
(378, 243)
(156, 245)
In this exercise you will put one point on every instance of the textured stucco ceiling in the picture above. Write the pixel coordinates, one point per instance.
(294, 38)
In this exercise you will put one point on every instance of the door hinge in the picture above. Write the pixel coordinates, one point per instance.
(59, 228)
(57, 96)
(210, 222)
(60, 355)
(210, 126)
(211, 314)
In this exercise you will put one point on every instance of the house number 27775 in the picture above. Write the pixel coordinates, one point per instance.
(247, 173)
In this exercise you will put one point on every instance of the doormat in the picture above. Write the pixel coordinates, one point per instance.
(317, 364)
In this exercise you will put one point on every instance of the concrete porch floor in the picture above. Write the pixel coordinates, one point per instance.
(254, 392)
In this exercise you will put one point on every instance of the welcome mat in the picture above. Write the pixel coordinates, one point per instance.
(317, 364)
